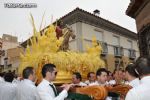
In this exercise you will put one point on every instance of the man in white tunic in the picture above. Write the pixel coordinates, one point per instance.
(118, 77)
(47, 89)
(131, 75)
(26, 90)
(77, 79)
(101, 76)
(7, 89)
(91, 78)
(141, 92)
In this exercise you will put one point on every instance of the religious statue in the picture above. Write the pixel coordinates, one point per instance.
(67, 33)
(59, 29)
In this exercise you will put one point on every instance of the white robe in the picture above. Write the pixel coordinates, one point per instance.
(1, 79)
(97, 83)
(26, 90)
(15, 81)
(46, 92)
(112, 82)
(88, 82)
(141, 92)
(134, 83)
(82, 84)
(7, 91)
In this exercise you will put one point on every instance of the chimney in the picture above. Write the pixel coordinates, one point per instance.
(96, 12)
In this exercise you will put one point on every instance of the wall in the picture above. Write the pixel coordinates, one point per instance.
(107, 36)
(143, 17)
(7, 45)
(89, 31)
(85, 32)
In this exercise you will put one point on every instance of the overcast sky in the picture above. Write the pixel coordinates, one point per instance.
(16, 21)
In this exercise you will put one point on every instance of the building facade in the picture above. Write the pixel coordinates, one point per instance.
(119, 44)
(9, 54)
(140, 11)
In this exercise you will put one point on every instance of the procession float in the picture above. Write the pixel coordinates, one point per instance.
(44, 47)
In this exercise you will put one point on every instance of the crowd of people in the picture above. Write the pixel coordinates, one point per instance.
(137, 75)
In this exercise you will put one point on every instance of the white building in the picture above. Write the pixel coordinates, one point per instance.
(119, 44)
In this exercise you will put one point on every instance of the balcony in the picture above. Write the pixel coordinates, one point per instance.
(118, 51)
(132, 54)
(104, 47)
(2, 53)
(1, 67)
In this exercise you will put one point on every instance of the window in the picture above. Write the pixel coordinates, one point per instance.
(131, 51)
(116, 40)
(118, 51)
(104, 47)
(130, 44)
(5, 62)
(132, 54)
(99, 35)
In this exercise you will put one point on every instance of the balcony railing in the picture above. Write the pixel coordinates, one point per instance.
(118, 51)
(132, 54)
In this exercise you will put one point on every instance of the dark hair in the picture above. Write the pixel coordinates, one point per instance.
(100, 70)
(119, 69)
(88, 75)
(78, 75)
(143, 66)
(8, 77)
(131, 70)
(27, 72)
(2, 74)
(47, 68)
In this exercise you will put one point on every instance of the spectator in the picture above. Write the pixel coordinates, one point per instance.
(131, 75)
(101, 75)
(141, 92)
(91, 78)
(26, 89)
(76, 79)
(7, 89)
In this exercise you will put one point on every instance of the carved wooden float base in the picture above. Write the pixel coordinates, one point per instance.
(96, 92)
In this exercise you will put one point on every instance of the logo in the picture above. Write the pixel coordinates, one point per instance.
(20, 5)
